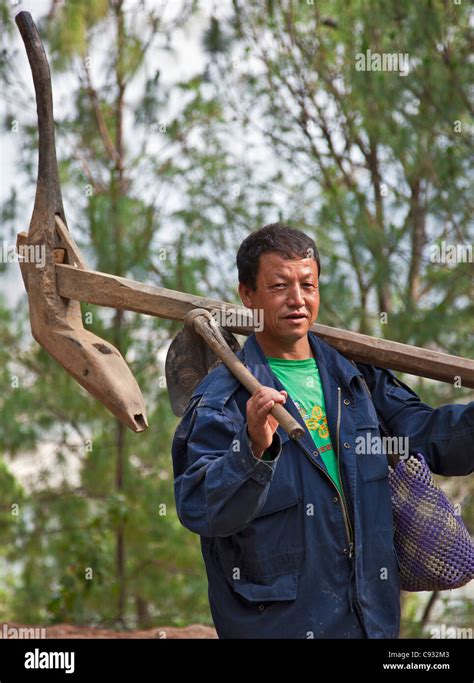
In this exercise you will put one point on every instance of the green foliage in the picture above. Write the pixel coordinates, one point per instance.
(68, 31)
(215, 40)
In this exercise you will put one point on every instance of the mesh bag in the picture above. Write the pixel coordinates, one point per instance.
(434, 548)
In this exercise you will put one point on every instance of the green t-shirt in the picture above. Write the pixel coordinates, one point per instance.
(301, 380)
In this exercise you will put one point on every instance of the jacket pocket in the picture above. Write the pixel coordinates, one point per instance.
(372, 464)
(268, 554)
(276, 589)
(281, 496)
(270, 579)
(365, 413)
(372, 467)
(374, 497)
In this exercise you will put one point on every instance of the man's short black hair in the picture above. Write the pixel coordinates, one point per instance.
(291, 243)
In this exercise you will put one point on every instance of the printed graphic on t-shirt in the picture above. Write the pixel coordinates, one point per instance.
(316, 422)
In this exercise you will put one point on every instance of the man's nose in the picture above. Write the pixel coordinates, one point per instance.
(295, 296)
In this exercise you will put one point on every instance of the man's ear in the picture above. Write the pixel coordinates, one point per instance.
(244, 293)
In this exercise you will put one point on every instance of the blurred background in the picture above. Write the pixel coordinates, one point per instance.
(181, 127)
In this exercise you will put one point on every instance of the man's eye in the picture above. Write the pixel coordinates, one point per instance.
(279, 285)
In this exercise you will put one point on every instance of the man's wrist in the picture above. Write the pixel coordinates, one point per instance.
(257, 451)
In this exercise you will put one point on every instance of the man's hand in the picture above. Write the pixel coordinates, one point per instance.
(261, 425)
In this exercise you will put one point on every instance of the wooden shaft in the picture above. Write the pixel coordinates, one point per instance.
(205, 325)
(109, 290)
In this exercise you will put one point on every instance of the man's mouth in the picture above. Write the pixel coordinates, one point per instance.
(296, 316)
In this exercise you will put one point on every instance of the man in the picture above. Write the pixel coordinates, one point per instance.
(297, 537)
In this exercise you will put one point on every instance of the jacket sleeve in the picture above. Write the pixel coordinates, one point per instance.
(219, 484)
(444, 435)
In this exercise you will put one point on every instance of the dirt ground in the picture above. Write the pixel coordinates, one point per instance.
(12, 630)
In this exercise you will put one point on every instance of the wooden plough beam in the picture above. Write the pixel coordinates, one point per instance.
(55, 290)
(109, 290)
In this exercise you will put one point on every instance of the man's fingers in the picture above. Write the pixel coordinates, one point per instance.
(267, 405)
(266, 400)
(263, 396)
(269, 394)
(263, 411)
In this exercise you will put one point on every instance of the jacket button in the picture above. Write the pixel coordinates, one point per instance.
(347, 402)
(261, 607)
(345, 551)
(315, 453)
(347, 445)
(335, 499)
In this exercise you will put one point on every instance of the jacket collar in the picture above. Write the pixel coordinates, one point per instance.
(341, 369)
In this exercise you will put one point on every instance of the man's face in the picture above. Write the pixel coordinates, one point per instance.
(284, 288)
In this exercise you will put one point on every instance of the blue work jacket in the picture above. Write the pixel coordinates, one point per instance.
(286, 555)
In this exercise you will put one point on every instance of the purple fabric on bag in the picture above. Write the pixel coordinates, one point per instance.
(434, 548)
